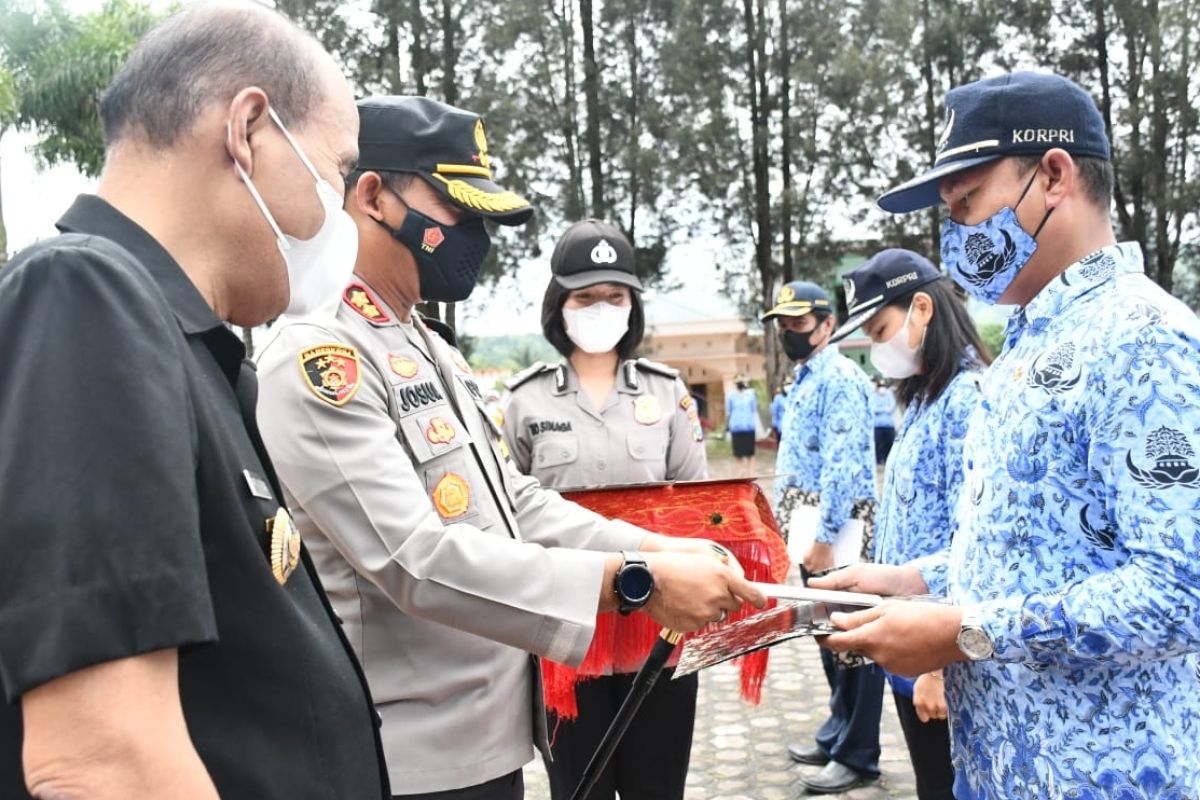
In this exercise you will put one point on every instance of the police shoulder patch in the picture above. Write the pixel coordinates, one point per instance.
(647, 365)
(331, 371)
(363, 303)
(524, 376)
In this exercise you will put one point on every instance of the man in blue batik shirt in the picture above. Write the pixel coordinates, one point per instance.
(826, 461)
(1073, 570)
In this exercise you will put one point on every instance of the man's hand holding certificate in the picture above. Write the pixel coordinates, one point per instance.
(906, 638)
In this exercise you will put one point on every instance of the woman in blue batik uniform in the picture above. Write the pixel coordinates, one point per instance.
(922, 337)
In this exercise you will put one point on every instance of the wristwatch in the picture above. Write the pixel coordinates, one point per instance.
(972, 639)
(633, 583)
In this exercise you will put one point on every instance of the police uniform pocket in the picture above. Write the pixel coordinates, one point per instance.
(647, 444)
(449, 489)
(553, 451)
(432, 433)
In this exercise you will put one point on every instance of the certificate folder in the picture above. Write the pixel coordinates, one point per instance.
(797, 611)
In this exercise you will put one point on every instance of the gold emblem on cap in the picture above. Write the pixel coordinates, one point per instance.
(787, 294)
(646, 409)
(484, 160)
(285, 545)
(462, 192)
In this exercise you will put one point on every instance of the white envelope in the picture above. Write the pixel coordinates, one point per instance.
(802, 532)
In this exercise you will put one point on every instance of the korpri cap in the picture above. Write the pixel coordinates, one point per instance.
(887, 275)
(1020, 113)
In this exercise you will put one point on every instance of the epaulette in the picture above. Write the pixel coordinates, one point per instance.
(534, 369)
(441, 329)
(654, 366)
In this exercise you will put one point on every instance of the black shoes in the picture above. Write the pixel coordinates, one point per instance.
(834, 778)
(807, 754)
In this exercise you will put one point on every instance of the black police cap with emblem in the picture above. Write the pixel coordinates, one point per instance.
(1020, 113)
(591, 252)
(886, 276)
(798, 298)
(446, 146)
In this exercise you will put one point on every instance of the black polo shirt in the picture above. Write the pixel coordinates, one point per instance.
(134, 494)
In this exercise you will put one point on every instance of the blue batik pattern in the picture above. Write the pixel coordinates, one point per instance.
(1077, 538)
(828, 445)
(921, 485)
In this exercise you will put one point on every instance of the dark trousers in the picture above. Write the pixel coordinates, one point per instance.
(884, 439)
(851, 734)
(506, 787)
(651, 763)
(929, 750)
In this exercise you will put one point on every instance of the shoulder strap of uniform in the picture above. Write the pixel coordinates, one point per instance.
(655, 366)
(441, 329)
(536, 368)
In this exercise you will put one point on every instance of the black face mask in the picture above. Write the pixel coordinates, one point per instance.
(797, 345)
(448, 257)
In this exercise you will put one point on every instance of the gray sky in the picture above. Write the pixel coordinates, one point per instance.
(33, 200)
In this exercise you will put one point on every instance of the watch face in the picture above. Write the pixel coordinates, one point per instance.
(975, 644)
(636, 583)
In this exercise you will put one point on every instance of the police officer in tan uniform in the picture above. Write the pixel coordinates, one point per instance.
(599, 418)
(446, 565)
(642, 426)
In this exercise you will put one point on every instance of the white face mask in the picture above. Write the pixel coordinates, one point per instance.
(894, 358)
(597, 328)
(318, 268)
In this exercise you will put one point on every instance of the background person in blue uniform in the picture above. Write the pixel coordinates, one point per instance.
(1074, 629)
(883, 408)
(921, 336)
(741, 420)
(778, 404)
(604, 418)
(826, 462)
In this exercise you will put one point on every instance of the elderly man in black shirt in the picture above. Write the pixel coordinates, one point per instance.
(162, 633)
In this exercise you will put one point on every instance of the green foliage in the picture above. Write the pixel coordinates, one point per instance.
(992, 334)
(60, 63)
(511, 351)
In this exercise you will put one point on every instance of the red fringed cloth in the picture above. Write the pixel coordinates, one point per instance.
(734, 513)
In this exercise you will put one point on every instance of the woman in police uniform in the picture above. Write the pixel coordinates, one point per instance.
(922, 337)
(602, 418)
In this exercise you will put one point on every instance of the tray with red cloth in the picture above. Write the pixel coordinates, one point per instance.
(735, 513)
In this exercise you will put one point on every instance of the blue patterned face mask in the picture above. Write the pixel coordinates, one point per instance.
(983, 259)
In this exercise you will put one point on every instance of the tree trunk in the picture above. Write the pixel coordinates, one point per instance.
(3, 228)
(1160, 269)
(931, 121)
(1100, 18)
(390, 63)
(449, 55)
(785, 136)
(575, 205)
(591, 94)
(762, 209)
(420, 66)
(635, 99)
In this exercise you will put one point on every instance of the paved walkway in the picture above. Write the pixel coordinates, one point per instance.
(739, 751)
